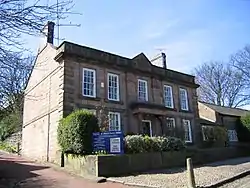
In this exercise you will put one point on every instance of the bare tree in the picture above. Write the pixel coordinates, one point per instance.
(241, 61)
(20, 17)
(13, 78)
(221, 84)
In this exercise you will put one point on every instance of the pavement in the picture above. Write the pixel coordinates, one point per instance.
(17, 172)
(240, 183)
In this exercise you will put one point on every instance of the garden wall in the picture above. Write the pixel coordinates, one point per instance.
(115, 165)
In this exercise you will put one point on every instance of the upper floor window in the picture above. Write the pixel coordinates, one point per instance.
(113, 87)
(183, 99)
(114, 121)
(168, 96)
(187, 130)
(142, 90)
(89, 83)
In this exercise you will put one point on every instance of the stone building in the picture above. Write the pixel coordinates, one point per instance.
(223, 116)
(136, 96)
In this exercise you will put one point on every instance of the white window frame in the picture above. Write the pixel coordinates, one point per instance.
(119, 120)
(146, 89)
(171, 118)
(234, 135)
(189, 130)
(150, 127)
(186, 99)
(171, 96)
(94, 78)
(118, 86)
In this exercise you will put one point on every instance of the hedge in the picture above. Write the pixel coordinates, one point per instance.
(75, 132)
(144, 144)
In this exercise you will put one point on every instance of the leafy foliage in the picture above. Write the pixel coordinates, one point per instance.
(9, 125)
(243, 128)
(6, 147)
(215, 133)
(75, 132)
(246, 121)
(220, 134)
(145, 144)
(243, 133)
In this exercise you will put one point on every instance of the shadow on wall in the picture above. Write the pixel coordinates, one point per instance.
(20, 173)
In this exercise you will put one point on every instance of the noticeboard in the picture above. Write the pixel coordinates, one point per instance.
(110, 141)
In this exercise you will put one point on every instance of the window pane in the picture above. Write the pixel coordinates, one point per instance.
(113, 87)
(183, 99)
(168, 96)
(114, 121)
(142, 90)
(187, 131)
(88, 83)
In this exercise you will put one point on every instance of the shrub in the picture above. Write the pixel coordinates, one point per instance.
(7, 147)
(134, 144)
(220, 134)
(144, 144)
(9, 125)
(243, 133)
(75, 132)
(245, 120)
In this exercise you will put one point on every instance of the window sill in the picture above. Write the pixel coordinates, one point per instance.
(172, 109)
(89, 98)
(185, 111)
(113, 101)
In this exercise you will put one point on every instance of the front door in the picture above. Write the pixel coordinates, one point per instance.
(146, 127)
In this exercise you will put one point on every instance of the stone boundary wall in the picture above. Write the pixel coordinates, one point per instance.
(115, 165)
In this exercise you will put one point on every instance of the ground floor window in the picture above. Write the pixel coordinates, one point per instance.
(207, 132)
(232, 136)
(147, 128)
(170, 126)
(187, 131)
(114, 121)
(170, 123)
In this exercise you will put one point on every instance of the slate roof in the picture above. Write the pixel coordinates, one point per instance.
(227, 110)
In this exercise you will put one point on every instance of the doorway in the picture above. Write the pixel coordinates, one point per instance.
(146, 127)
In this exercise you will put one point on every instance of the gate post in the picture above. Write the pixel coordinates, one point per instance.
(190, 174)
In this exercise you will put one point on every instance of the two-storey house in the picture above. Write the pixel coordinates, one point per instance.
(136, 96)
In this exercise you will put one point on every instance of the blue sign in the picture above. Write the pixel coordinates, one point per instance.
(110, 141)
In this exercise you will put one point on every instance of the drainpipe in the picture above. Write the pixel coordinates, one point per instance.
(161, 124)
(48, 140)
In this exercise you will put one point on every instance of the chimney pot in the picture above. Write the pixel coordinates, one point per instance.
(50, 34)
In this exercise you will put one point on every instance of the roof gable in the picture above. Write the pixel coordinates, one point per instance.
(227, 110)
(142, 62)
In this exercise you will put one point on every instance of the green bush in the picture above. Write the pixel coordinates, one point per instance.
(145, 144)
(243, 133)
(7, 147)
(75, 132)
(9, 125)
(220, 134)
(245, 120)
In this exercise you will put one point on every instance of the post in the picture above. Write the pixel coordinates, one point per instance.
(18, 148)
(190, 173)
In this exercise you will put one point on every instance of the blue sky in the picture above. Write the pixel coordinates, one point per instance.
(190, 31)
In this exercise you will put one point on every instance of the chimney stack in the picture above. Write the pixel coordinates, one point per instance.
(50, 32)
(164, 60)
